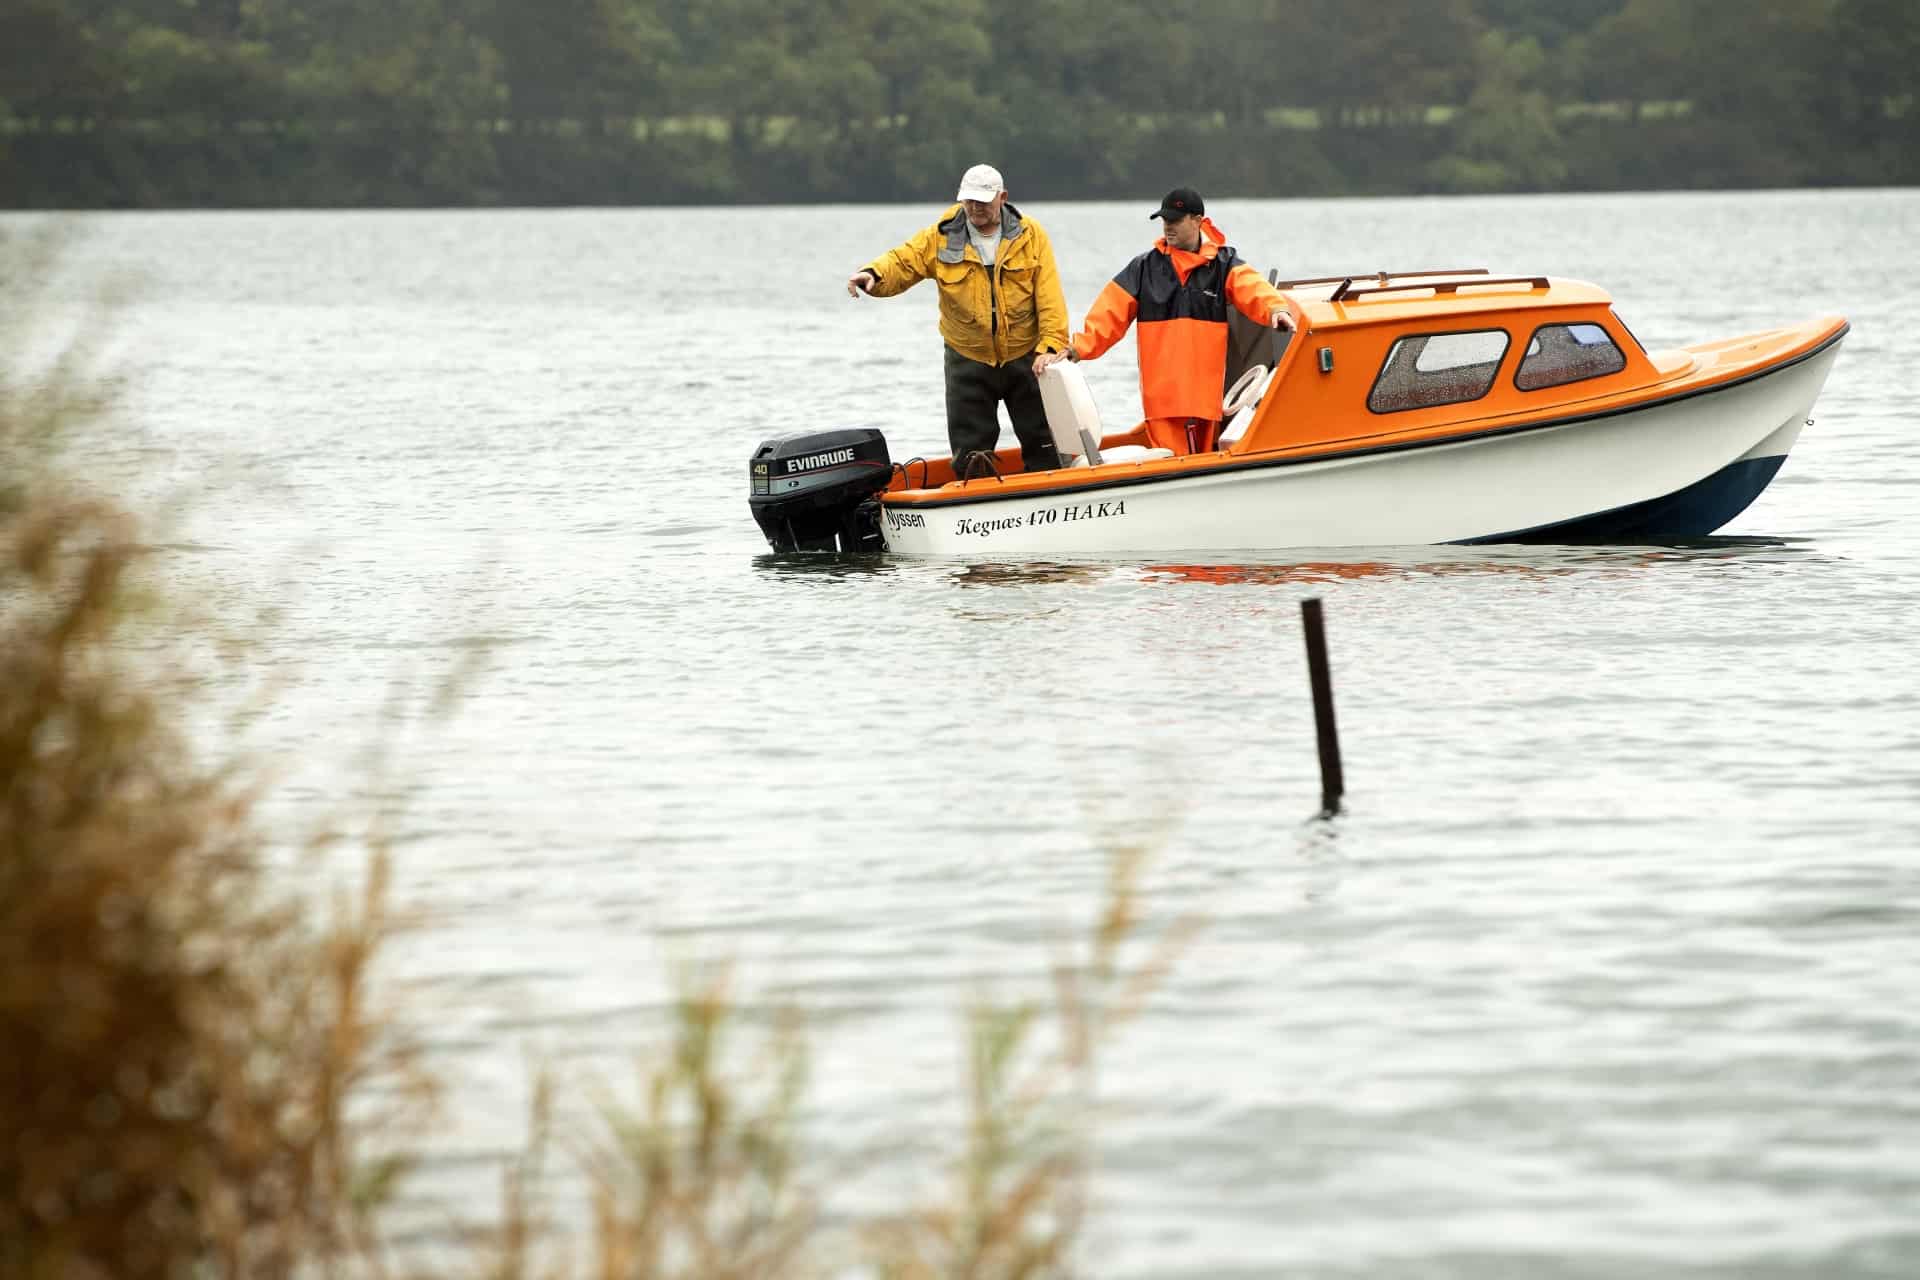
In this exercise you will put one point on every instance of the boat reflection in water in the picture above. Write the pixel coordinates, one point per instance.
(1332, 565)
(805, 564)
(1036, 573)
(1525, 561)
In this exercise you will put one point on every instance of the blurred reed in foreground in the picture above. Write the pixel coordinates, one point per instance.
(199, 1075)
(705, 1175)
(182, 1040)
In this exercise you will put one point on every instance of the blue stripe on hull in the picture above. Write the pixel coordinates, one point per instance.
(1692, 512)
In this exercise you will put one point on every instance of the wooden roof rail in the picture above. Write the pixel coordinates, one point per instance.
(1346, 292)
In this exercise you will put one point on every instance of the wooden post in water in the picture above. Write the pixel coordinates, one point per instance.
(1332, 783)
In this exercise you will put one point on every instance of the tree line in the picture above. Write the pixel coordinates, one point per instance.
(266, 102)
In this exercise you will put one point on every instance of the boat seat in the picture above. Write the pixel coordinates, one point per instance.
(1072, 416)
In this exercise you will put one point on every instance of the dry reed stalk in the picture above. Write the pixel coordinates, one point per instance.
(1018, 1204)
(700, 1178)
(697, 1176)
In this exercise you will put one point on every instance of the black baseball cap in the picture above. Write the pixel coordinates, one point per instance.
(1178, 203)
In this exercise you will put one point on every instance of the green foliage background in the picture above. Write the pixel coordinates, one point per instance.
(130, 103)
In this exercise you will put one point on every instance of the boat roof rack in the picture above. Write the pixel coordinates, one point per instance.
(1346, 291)
(1273, 277)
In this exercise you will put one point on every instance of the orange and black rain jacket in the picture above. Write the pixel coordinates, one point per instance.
(1180, 300)
(994, 314)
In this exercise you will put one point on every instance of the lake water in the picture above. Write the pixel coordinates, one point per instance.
(1608, 969)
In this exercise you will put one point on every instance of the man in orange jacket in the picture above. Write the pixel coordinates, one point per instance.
(1179, 291)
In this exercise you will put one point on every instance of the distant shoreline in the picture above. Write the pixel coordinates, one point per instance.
(102, 166)
(909, 201)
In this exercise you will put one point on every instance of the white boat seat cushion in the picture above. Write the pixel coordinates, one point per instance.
(1127, 453)
(1070, 409)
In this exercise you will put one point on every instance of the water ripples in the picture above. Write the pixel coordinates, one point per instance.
(1606, 971)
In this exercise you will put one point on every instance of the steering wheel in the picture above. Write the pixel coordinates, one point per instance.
(1245, 391)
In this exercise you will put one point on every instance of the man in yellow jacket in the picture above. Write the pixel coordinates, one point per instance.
(1000, 307)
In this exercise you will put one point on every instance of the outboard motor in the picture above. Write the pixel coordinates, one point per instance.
(814, 490)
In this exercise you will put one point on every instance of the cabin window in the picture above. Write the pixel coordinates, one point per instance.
(1438, 368)
(1562, 353)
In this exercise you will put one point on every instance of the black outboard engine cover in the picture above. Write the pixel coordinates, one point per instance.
(814, 490)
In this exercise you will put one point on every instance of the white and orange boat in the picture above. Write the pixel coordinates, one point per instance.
(1408, 407)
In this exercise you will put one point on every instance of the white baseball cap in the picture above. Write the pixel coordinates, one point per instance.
(982, 182)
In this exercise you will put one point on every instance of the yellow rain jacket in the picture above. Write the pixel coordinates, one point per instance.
(994, 314)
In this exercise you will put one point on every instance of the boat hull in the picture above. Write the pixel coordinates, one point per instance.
(1674, 469)
(1692, 512)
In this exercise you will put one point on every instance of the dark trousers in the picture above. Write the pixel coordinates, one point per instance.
(974, 393)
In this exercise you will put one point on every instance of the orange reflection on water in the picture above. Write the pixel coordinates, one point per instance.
(1324, 571)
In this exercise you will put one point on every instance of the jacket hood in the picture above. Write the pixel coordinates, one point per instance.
(954, 227)
(955, 218)
(1211, 237)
